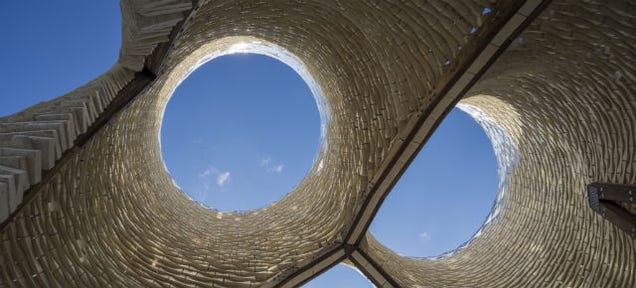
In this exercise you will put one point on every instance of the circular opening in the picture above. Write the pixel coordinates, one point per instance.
(240, 132)
(445, 195)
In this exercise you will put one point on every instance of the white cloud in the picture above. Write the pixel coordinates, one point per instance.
(424, 236)
(222, 178)
(266, 161)
(270, 167)
(210, 175)
(207, 172)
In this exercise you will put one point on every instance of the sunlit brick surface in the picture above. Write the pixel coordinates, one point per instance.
(110, 216)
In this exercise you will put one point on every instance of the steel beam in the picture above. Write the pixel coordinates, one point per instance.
(605, 199)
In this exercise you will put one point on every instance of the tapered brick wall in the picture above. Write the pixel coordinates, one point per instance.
(109, 215)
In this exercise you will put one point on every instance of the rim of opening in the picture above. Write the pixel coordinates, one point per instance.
(507, 156)
(250, 45)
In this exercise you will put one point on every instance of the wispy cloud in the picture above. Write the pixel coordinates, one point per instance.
(266, 161)
(222, 178)
(270, 166)
(424, 236)
(207, 172)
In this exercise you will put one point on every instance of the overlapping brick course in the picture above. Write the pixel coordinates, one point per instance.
(110, 216)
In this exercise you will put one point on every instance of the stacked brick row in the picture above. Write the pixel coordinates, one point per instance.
(146, 24)
(110, 216)
(34, 139)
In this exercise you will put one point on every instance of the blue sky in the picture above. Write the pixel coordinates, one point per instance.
(51, 47)
(232, 156)
(252, 131)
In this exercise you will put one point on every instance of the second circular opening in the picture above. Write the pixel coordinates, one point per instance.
(446, 194)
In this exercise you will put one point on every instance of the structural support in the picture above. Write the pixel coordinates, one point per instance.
(495, 36)
(303, 273)
(606, 199)
(372, 270)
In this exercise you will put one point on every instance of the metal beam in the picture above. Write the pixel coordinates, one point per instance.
(612, 192)
(511, 18)
(605, 199)
(302, 273)
(372, 270)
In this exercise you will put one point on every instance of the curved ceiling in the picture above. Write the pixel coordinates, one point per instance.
(107, 214)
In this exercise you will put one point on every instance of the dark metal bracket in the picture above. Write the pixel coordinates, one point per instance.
(611, 201)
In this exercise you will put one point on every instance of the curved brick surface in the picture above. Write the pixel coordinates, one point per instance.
(564, 93)
(110, 216)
